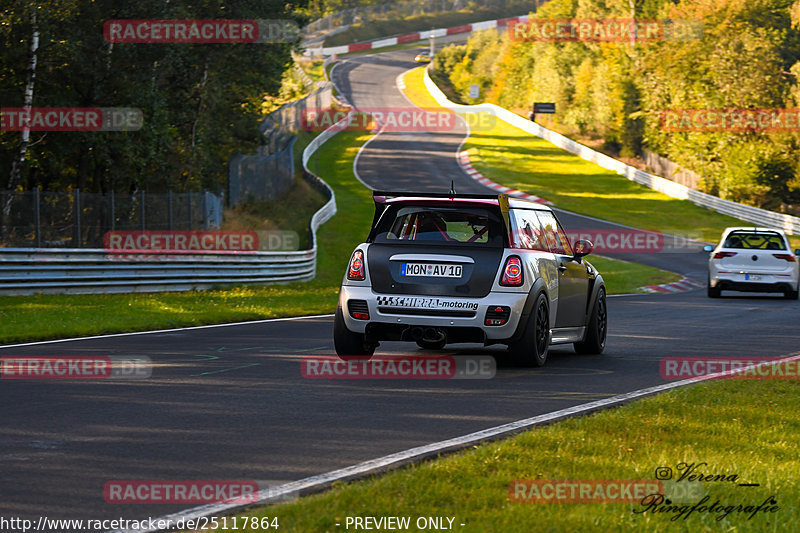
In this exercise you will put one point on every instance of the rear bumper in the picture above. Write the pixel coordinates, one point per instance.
(765, 282)
(461, 318)
(751, 286)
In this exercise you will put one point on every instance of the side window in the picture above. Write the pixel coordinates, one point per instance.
(527, 232)
(554, 234)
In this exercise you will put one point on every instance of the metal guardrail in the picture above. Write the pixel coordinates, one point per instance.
(755, 215)
(75, 271)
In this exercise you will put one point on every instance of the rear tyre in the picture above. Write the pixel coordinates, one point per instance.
(791, 294)
(713, 292)
(349, 345)
(596, 329)
(531, 349)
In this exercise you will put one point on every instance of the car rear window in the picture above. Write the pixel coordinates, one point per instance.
(421, 224)
(754, 240)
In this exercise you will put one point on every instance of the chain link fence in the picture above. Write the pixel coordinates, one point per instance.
(269, 174)
(37, 219)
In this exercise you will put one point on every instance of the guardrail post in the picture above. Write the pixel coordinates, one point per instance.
(37, 194)
(78, 217)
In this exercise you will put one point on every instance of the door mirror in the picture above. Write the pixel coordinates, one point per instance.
(582, 248)
(708, 248)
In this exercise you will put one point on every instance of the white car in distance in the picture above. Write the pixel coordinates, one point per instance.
(753, 260)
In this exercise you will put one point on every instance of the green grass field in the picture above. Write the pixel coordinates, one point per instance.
(744, 428)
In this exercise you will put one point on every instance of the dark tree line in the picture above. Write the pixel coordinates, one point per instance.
(200, 102)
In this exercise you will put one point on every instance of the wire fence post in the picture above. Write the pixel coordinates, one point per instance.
(37, 195)
(144, 227)
(169, 210)
(78, 217)
(205, 209)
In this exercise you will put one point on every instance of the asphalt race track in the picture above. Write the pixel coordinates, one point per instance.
(230, 402)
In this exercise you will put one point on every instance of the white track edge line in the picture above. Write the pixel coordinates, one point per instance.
(150, 332)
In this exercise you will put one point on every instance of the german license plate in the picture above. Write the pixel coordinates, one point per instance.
(431, 270)
(752, 277)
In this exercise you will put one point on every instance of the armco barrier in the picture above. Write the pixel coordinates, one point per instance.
(412, 37)
(27, 271)
(760, 217)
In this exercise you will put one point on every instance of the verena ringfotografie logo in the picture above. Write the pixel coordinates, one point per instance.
(213, 31)
(582, 491)
(605, 30)
(183, 492)
(70, 119)
(143, 242)
(399, 367)
(680, 368)
(75, 367)
(730, 120)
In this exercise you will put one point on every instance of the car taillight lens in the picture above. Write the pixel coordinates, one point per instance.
(355, 271)
(720, 255)
(785, 257)
(512, 272)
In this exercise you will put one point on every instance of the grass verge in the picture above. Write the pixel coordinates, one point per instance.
(514, 158)
(743, 429)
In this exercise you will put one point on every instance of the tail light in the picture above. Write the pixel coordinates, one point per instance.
(512, 272)
(355, 271)
(785, 257)
(720, 255)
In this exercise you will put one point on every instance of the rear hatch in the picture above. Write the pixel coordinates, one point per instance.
(755, 253)
(436, 249)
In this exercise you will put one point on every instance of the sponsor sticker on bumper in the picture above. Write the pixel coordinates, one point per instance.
(425, 303)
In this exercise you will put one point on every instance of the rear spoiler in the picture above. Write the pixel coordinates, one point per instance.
(386, 194)
(380, 197)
